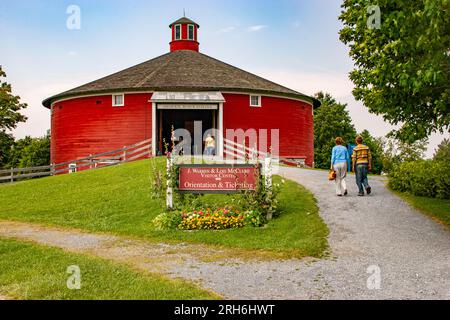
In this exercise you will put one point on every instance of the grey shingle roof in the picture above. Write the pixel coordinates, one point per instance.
(184, 20)
(182, 70)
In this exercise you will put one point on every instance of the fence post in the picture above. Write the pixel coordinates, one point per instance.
(169, 191)
(12, 174)
(124, 157)
(268, 180)
(52, 169)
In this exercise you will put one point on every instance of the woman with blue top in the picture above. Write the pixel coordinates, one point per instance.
(339, 159)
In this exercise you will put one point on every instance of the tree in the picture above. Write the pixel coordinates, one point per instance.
(17, 152)
(376, 149)
(9, 106)
(402, 68)
(330, 121)
(442, 153)
(6, 143)
(396, 151)
(37, 153)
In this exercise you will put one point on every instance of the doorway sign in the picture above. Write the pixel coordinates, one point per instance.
(217, 178)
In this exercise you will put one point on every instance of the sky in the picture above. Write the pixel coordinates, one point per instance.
(292, 42)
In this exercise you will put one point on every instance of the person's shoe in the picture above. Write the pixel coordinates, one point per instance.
(345, 193)
(361, 194)
(368, 190)
(339, 195)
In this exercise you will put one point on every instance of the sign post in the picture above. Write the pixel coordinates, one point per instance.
(169, 190)
(268, 180)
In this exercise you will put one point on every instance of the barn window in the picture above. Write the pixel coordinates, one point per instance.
(255, 101)
(190, 32)
(178, 32)
(118, 100)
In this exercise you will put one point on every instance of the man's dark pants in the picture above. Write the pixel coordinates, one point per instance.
(361, 177)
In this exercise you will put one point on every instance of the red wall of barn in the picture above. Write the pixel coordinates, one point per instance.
(293, 118)
(82, 126)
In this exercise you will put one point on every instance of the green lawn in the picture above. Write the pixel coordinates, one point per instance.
(29, 271)
(438, 209)
(118, 200)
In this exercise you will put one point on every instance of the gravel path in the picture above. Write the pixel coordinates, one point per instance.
(377, 233)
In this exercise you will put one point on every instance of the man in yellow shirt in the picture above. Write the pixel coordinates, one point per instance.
(362, 164)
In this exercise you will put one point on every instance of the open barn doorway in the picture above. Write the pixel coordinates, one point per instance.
(168, 119)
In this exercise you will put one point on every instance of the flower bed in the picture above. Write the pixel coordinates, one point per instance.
(221, 218)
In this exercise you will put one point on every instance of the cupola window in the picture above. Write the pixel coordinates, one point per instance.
(178, 32)
(190, 32)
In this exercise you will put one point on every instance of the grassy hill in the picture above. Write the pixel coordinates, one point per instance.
(118, 200)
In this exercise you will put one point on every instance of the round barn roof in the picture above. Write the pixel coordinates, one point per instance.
(182, 70)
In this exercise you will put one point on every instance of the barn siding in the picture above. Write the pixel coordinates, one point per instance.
(293, 118)
(81, 127)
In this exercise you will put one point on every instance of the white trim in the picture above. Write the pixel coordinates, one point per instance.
(151, 92)
(187, 106)
(154, 129)
(113, 99)
(193, 32)
(220, 129)
(259, 101)
(175, 32)
(245, 93)
(97, 95)
(188, 97)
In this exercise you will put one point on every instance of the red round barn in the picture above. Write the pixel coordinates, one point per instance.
(179, 89)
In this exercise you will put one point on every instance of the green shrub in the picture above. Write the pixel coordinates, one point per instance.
(427, 178)
(167, 220)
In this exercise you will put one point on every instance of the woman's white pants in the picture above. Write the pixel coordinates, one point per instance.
(341, 173)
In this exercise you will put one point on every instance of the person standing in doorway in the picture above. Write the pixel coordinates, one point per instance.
(339, 159)
(362, 164)
(210, 145)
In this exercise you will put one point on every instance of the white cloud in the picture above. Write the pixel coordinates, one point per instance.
(72, 53)
(256, 28)
(310, 83)
(227, 29)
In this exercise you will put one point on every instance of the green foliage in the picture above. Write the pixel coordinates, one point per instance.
(396, 151)
(442, 152)
(29, 152)
(402, 69)
(6, 144)
(376, 148)
(330, 121)
(254, 218)
(427, 178)
(9, 106)
(167, 220)
(16, 152)
(157, 181)
(36, 153)
(263, 201)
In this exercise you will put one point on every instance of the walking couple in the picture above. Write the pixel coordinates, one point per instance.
(361, 165)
